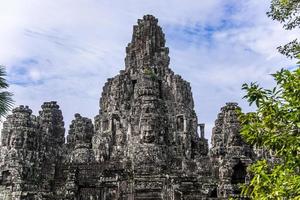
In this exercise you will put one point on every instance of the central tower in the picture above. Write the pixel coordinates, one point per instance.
(147, 48)
(147, 116)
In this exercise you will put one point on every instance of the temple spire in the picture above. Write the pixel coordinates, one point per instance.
(147, 47)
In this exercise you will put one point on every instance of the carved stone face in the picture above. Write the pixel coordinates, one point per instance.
(17, 140)
(148, 134)
(148, 137)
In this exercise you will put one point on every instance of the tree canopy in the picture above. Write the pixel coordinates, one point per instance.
(275, 126)
(287, 12)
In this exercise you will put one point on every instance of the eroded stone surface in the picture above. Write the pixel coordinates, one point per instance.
(79, 140)
(145, 143)
(229, 154)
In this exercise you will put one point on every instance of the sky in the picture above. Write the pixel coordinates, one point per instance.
(64, 50)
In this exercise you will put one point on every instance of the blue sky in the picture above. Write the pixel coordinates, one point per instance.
(65, 50)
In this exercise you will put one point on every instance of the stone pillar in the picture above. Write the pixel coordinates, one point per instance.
(52, 133)
(202, 130)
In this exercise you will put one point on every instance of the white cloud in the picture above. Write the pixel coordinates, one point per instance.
(67, 49)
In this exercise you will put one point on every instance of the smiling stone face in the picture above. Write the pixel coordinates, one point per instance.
(17, 139)
(148, 119)
(148, 134)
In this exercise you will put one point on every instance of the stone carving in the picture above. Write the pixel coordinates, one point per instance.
(229, 154)
(19, 158)
(79, 140)
(145, 143)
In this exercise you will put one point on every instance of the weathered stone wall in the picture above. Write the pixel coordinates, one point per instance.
(230, 155)
(79, 140)
(145, 142)
(147, 108)
(52, 141)
(20, 169)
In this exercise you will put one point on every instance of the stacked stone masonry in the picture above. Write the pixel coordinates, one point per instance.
(145, 143)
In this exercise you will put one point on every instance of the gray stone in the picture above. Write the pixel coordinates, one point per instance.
(146, 142)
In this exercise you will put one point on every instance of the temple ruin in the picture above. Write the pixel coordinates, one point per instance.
(145, 144)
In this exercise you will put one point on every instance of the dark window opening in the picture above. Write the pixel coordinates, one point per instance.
(105, 125)
(6, 177)
(180, 123)
(177, 195)
(160, 89)
(133, 84)
(239, 173)
(114, 130)
(166, 134)
(194, 149)
(8, 138)
(214, 193)
(147, 110)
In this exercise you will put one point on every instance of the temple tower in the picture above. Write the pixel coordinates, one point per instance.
(230, 155)
(147, 112)
(145, 143)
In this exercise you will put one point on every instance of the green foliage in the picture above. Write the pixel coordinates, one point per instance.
(275, 126)
(6, 101)
(149, 71)
(291, 49)
(287, 12)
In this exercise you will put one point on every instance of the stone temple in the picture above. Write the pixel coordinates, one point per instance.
(145, 143)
